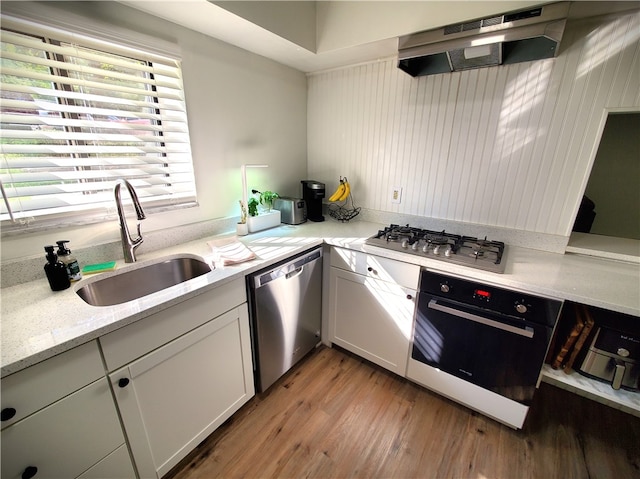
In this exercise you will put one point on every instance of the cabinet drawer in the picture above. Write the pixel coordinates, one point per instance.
(66, 438)
(135, 340)
(31, 389)
(115, 465)
(393, 271)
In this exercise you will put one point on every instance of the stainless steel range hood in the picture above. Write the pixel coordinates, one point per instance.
(513, 37)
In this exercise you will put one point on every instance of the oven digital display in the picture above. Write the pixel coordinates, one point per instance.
(482, 294)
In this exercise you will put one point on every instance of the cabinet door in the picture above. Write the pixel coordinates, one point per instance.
(371, 318)
(173, 398)
(65, 439)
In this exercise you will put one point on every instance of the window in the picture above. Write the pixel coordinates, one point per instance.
(75, 118)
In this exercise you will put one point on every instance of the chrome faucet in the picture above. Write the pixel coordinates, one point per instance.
(129, 244)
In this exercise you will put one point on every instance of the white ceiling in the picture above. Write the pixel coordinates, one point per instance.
(346, 32)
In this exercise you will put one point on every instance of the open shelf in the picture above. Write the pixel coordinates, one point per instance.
(574, 333)
(601, 392)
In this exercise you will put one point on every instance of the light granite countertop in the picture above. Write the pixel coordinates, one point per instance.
(38, 323)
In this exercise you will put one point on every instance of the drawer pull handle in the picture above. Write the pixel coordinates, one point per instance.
(7, 413)
(371, 270)
(29, 472)
(123, 382)
(409, 296)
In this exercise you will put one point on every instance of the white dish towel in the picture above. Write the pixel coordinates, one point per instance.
(228, 251)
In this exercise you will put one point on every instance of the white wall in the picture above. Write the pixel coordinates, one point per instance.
(343, 24)
(292, 20)
(507, 146)
(242, 108)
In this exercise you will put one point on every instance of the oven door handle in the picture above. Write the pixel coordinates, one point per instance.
(527, 332)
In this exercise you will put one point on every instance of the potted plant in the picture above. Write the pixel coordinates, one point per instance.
(261, 216)
(266, 199)
(253, 207)
(241, 227)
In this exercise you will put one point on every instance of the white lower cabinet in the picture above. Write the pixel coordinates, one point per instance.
(174, 397)
(59, 420)
(371, 307)
(67, 438)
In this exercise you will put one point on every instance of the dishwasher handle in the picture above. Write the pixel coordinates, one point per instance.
(287, 270)
(294, 273)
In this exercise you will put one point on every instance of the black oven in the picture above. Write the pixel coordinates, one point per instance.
(492, 337)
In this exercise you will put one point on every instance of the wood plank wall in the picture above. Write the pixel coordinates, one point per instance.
(508, 146)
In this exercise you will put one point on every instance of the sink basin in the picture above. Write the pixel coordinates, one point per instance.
(138, 282)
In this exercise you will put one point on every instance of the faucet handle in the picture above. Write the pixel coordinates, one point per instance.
(139, 239)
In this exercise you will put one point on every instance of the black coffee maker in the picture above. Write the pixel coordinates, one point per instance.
(312, 194)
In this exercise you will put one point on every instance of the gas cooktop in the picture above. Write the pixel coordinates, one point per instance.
(463, 250)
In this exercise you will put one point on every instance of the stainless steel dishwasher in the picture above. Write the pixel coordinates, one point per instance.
(286, 314)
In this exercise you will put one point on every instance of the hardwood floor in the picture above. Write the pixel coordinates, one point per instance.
(337, 416)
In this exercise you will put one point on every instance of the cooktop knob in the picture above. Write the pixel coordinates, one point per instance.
(414, 246)
(436, 249)
(405, 243)
(521, 308)
(447, 251)
(623, 352)
(444, 287)
(425, 248)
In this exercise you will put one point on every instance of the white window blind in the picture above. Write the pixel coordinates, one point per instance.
(75, 119)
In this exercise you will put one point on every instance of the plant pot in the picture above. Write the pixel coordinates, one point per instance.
(242, 229)
(264, 221)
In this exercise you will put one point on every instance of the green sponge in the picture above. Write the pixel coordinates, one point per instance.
(99, 268)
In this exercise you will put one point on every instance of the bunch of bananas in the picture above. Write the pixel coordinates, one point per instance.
(342, 192)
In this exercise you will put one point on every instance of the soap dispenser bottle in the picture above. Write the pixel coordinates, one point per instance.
(56, 271)
(70, 261)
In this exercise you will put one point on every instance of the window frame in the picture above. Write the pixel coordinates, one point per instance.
(101, 39)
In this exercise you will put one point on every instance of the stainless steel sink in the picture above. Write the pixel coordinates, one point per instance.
(136, 282)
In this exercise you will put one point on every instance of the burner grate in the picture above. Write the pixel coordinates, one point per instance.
(466, 250)
(483, 248)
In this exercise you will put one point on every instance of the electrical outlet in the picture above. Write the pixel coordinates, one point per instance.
(396, 194)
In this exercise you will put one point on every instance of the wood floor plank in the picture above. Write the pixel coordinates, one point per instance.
(335, 415)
